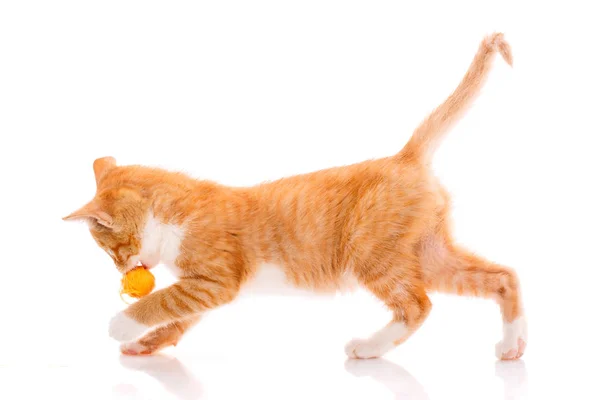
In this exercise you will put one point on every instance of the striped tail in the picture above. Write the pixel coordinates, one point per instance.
(428, 135)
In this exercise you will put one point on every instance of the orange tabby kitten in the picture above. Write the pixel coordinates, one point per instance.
(382, 224)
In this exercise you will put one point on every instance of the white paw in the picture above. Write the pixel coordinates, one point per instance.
(514, 342)
(124, 328)
(359, 348)
(134, 349)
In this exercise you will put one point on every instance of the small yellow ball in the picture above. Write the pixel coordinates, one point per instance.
(137, 283)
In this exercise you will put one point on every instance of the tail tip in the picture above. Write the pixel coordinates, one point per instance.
(497, 43)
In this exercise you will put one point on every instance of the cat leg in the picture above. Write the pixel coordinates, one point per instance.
(410, 305)
(188, 297)
(159, 338)
(454, 270)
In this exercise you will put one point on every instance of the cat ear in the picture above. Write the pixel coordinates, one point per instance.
(102, 166)
(91, 212)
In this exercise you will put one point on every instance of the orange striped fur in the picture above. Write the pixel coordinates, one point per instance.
(383, 223)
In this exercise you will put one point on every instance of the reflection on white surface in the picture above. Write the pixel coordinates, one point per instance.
(169, 371)
(404, 386)
(181, 383)
(395, 378)
(514, 377)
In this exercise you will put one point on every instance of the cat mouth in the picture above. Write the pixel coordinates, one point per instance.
(146, 265)
(142, 265)
(133, 264)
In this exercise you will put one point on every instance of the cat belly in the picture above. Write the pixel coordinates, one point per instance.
(270, 279)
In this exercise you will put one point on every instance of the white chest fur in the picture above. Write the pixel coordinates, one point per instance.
(270, 279)
(161, 243)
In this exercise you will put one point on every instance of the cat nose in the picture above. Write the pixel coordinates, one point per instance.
(122, 268)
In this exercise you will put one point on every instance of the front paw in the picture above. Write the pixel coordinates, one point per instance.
(363, 349)
(124, 328)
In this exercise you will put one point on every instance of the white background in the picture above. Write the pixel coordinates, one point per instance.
(246, 91)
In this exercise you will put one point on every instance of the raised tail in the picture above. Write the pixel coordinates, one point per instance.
(427, 136)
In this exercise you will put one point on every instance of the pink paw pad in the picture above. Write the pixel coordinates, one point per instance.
(515, 354)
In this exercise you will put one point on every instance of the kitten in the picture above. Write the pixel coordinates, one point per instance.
(383, 224)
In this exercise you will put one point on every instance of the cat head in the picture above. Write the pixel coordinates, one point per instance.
(115, 215)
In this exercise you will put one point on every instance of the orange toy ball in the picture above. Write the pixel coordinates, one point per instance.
(137, 283)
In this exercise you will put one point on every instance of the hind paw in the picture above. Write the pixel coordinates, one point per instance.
(513, 345)
(509, 351)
